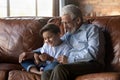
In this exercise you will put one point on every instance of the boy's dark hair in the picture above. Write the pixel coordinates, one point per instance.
(50, 27)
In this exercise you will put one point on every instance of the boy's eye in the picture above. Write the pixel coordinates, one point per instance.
(49, 37)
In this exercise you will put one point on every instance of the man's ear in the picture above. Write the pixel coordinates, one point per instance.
(59, 34)
(78, 20)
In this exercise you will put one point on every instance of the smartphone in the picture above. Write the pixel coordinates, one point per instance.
(38, 52)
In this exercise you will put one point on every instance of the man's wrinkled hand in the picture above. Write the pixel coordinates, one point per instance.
(62, 59)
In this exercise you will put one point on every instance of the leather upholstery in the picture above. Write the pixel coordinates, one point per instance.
(22, 75)
(16, 36)
(3, 75)
(111, 27)
(100, 76)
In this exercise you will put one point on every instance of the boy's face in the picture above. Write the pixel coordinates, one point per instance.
(51, 38)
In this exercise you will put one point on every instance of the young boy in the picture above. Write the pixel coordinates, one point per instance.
(47, 57)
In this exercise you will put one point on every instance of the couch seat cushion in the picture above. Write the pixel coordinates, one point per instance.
(22, 75)
(3, 75)
(100, 76)
(10, 66)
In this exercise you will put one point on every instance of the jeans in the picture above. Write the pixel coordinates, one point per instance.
(50, 66)
(27, 64)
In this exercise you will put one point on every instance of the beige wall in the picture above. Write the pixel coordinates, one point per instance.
(98, 7)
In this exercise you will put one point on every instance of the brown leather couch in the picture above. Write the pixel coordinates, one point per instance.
(22, 34)
(18, 35)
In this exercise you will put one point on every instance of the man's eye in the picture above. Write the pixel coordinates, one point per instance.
(62, 22)
(66, 22)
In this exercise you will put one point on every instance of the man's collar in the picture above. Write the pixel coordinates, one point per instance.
(82, 27)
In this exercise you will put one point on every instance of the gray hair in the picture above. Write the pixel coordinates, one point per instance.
(72, 10)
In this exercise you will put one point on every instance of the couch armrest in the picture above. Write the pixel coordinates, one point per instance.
(100, 76)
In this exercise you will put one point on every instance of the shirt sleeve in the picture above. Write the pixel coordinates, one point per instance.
(42, 49)
(66, 50)
(36, 50)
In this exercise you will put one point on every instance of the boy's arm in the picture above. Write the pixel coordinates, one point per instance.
(37, 50)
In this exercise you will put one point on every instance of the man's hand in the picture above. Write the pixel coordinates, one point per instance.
(62, 59)
(25, 55)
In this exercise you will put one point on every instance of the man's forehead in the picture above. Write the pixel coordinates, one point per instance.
(66, 18)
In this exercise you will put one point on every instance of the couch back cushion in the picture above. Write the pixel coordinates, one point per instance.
(19, 35)
(111, 28)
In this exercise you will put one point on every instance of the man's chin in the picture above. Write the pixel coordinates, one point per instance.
(71, 32)
(52, 45)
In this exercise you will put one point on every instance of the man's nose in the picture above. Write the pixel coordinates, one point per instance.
(47, 40)
(66, 26)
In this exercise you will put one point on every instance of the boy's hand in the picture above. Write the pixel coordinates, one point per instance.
(22, 57)
(43, 56)
(25, 55)
(37, 62)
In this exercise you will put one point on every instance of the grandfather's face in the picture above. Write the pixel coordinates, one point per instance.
(69, 24)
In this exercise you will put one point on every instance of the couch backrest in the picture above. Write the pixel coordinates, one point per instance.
(111, 29)
(18, 35)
